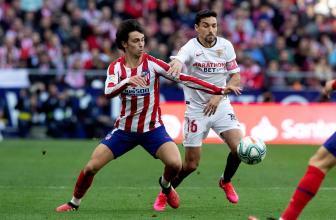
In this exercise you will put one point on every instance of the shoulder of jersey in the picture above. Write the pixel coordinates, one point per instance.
(192, 41)
(223, 40)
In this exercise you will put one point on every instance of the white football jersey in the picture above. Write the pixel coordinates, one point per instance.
(209, 64)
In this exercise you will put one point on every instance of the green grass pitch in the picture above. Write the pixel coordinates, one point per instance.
(32, 184)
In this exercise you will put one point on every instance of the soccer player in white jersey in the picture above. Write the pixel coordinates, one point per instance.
(213, 59)
(135, 77)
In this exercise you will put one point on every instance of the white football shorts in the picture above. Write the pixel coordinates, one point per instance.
(197, 125)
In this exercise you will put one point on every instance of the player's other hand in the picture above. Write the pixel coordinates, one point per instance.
(175, 68)
(230, 88)
(137, 81)
(211, 106)
(328, 88)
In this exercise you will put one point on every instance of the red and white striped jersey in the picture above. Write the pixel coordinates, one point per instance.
(140, 110)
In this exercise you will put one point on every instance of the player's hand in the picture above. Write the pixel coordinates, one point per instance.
(328, 88)
(230, 88)
(211, 107)
(137, 81)
(175, 68)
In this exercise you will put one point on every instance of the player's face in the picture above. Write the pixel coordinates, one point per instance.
(135, 44)
(207, 29)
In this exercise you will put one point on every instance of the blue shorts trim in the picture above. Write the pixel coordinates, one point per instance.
(120, 141)
(330, 144)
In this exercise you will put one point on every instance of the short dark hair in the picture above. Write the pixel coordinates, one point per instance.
(204, 14)
(124, 29)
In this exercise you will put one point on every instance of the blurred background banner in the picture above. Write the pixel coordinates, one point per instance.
(274, 123)
(14, 78)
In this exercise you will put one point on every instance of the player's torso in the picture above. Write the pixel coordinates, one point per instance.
(140, 105)
(137, 92)
(208, 64)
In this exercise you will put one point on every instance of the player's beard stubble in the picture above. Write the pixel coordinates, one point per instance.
(210, 38)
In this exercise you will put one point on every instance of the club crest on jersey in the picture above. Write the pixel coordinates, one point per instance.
(146, 74)
(220, 52)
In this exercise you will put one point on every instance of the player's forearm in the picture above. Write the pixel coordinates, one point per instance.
(112, 90)
(198, 84)
(235, 80)
(195, 83)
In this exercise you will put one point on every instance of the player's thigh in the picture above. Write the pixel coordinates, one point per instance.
(325, 157)
(153, 140)
(227, 126)
(99, 158)
(195, 130)
(169, 154)
(120, 142)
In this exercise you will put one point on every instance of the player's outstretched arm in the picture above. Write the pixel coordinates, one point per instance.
(175, 68)
(198, 84)
(233, 85)
(161, 68)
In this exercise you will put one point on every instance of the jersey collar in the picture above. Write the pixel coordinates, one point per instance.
(205, 46)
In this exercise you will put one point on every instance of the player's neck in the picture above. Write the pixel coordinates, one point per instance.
(206, 44)
(132, 61)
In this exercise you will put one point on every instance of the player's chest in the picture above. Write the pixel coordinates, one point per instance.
(133, 90)
(209, 61)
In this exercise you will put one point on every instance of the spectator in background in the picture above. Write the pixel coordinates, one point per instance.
(61, 120)
(322, 70)
(99, 120)
(9, 53)
(251, 74)
(75, 77)
(25, 106)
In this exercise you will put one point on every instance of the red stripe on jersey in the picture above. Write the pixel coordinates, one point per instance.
(122, 96)
(143, 113)
(122, 67)
(156, 103)
(161, 63)
(160, 120)
(111, 67)
(134, 99)
(111, 84)
(213, 89)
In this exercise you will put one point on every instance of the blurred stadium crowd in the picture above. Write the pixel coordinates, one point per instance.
(279, 44)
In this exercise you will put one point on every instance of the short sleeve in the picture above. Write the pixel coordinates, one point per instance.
(231, 63)
(184, 54)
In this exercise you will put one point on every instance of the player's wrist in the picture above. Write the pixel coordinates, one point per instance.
(127, 81)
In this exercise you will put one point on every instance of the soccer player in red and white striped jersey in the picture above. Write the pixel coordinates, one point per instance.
(135, 77)
(140, 111)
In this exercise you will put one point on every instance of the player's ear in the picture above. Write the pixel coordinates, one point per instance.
(124, 44)
(196, 27)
